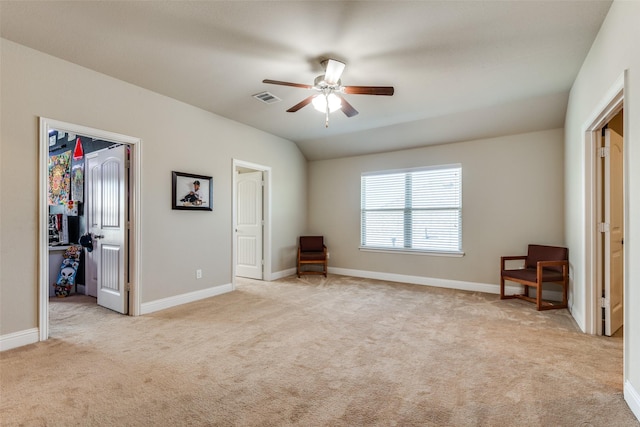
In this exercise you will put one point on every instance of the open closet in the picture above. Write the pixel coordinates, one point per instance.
(71, 269)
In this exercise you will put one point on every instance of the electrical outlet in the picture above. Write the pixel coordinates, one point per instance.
(328, 255)
(198, 274)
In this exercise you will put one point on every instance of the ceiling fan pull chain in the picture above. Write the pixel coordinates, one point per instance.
(326, 117)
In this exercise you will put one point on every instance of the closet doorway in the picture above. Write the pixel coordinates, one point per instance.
(89, 183)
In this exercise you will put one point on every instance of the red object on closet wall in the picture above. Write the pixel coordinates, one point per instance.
(78, 152)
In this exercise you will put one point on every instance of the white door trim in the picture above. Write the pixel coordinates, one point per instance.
(266, 253)
(43, 210)
(606, 109)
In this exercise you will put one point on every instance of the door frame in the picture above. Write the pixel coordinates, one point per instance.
(609, 106)
(43, 211)
(266, 208)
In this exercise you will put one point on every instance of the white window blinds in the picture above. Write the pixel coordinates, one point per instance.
(417, 209)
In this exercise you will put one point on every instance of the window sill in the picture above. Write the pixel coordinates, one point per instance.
(454, 254)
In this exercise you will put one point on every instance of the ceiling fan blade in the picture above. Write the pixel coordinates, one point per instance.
(348, 109)
(333, 71)
(301, 104)
(277, 82)
(368, 90)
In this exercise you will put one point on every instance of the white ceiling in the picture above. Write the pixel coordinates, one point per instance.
(461, 69)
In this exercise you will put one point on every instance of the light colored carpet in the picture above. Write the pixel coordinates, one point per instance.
(317, 352)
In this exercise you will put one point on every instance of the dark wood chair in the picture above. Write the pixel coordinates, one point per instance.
(312, 251)
(542, 264)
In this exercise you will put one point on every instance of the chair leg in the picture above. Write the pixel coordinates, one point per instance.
(503, 292)
(539, 296)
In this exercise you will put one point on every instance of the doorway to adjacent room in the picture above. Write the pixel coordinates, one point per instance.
(97, 190)
(606, 210)
(251, 220)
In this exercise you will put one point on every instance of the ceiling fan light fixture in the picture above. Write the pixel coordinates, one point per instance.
(320, 102)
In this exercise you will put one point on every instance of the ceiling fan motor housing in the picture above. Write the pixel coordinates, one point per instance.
(320, 84)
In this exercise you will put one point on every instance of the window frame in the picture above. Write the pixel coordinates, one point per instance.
(406, 250)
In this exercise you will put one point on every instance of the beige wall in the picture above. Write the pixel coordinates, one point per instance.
(175, 136)
(614, 50)
(512, 195)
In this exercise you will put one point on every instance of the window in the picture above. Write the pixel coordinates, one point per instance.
(412, 210)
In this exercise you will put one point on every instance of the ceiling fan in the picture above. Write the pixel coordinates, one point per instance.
(329, 87)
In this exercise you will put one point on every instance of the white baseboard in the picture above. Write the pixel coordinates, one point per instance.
(632, 397)
(280, 274)
(418, 280)
(579, 317)
(18, 339)
(488, 288)
(164, 303)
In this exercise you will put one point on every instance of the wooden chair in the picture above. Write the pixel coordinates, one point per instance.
(542, 264)
(312, 251)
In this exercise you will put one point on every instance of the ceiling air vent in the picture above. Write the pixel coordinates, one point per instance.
(266, 97)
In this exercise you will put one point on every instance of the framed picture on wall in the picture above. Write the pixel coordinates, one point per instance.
(191, 192)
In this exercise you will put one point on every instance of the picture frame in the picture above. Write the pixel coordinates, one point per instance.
(191, 192)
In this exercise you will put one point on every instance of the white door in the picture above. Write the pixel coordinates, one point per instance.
(106, 221)
(249, 225)
(613, 238)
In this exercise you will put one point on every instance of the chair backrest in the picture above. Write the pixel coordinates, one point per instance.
(546, 253)
(311, 243)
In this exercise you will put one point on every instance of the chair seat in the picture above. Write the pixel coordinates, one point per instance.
(312, 256)
(530, 275)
